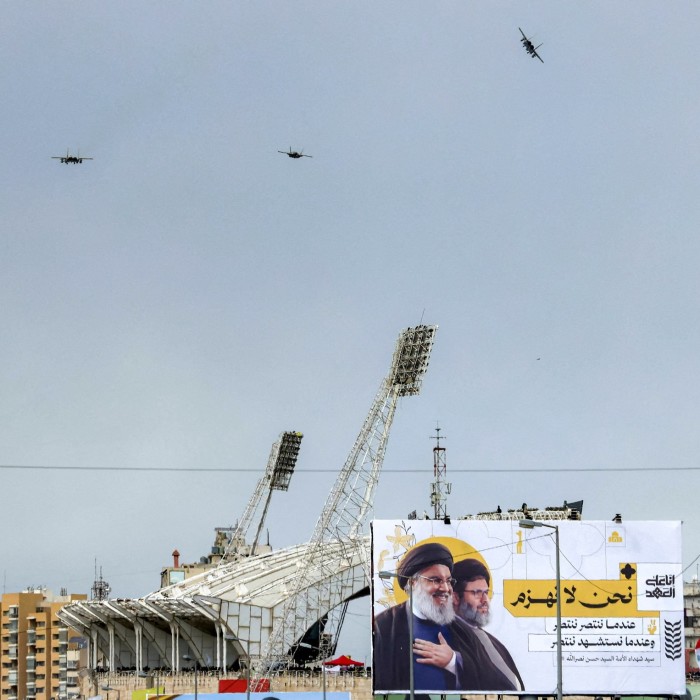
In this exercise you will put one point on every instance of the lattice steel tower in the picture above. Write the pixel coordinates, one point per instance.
(439, 489)
(344, 515)
(278, 474)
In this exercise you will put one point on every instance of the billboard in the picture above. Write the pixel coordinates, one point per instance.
(484, 601)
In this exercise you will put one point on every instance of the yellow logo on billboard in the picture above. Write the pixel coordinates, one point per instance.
(401, 539)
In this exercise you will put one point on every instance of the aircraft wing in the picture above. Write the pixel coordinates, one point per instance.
(534, 53)
(523, 33)
(76, 157)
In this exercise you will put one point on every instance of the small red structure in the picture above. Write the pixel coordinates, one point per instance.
(238, 685)
(343, 661)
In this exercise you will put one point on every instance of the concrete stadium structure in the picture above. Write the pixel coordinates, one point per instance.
(271, 610)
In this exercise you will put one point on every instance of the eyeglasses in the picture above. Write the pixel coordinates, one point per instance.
(478, 592)
(437, 581)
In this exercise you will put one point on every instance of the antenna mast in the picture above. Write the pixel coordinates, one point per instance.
(439, 489)
(100, 588)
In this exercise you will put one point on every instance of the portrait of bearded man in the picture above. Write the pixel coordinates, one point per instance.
(444, 647)
(471, 603)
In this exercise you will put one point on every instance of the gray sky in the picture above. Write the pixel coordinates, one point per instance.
(190, 293)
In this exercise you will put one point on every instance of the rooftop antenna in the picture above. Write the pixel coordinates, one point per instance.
(100, 588)
(439, 489)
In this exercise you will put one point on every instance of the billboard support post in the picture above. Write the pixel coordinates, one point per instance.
(187, 657)
(411, 684)
(108, 687)
(528, 524)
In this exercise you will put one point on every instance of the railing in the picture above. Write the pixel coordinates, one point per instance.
(210, 677)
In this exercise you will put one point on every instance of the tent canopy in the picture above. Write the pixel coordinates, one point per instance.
(343, 661)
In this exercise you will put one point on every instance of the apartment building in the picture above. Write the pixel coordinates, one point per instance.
(691, 597)
(39, 655)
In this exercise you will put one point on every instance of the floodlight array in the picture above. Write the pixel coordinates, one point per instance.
(411, 359)
(286, 460)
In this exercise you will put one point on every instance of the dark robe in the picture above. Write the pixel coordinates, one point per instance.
(498, 678)
(390, 670)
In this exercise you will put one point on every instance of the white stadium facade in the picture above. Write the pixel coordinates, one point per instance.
(257, 608)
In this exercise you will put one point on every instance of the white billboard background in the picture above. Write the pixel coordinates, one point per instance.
(622, 600)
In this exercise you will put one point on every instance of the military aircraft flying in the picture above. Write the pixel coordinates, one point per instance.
(68, 158)
(295, 154)
(530, 47)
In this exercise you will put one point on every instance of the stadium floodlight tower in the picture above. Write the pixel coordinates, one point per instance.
(317, 596)
(278, 474)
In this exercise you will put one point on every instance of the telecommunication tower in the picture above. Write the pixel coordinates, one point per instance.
(100, 588)
(439, 489)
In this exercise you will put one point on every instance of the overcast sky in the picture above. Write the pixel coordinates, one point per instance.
(190, 293)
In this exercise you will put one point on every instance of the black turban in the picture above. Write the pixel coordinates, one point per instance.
(470, 570)
(421, 557)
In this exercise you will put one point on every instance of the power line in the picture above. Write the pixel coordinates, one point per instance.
(519, 470)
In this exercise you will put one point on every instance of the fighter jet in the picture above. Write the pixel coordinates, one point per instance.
(295, 154)
(68, 158)
(530, 46)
